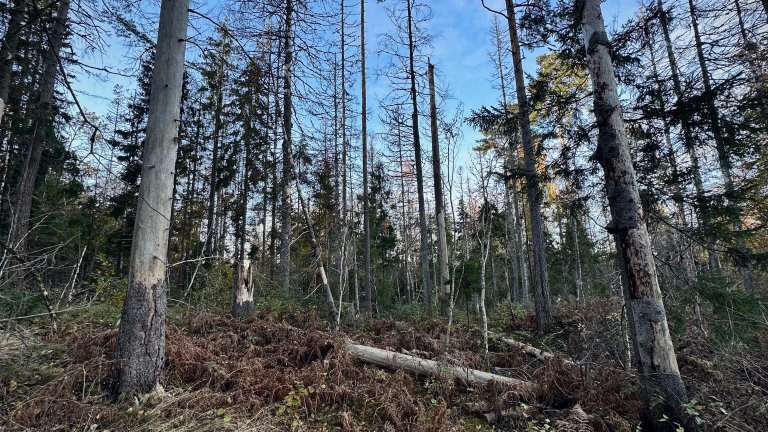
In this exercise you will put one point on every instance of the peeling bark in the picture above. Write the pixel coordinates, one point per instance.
(390, 359)
(242, 302)
(656, 360)
(141, 337)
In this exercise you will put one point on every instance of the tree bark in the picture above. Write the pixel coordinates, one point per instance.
(141, 337)
(442, 245)
(287, 149)
(366, 216)
(657, 364)
(42, 131)
(466, 376)
(424, 241)
(242, 299)
(539, 258)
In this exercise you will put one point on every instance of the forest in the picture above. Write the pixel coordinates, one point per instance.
(390, 215)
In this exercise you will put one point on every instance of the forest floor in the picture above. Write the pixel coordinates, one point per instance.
(283, 370)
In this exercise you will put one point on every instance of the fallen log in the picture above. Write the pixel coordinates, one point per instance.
(531, 350)
(417, 365)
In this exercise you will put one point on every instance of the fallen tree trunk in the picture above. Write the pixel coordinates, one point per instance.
(532, 350)
(417, 365)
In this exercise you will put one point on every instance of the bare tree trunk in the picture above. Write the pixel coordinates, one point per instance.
(442, 245)
(425, 275)
(390, 359)
(722, 157)
(366, 217)
(657, 363)
(539, 258)
(242, 299)
(42, 131)
(141, 337)
(285, 202)
(485, 246)
(345, 220)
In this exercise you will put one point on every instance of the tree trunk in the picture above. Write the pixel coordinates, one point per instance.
(403, 205)
(390, 359)
(317, 255)
(366, 216)
(424, 241)
(539, 258)
(512, 228)
(688, 141)
(141, 337)
(485, 246)
(210, 249)
(285, 202)
(8, 51)
(43, 131)
(722, 156)
(242, 300)
(578, 280)
(442, 245)
(345, 220)
(657, 363)
(686, 253)
(519, 234)
(542, 356)
(273, 195)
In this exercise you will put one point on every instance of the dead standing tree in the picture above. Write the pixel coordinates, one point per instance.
(141, 337)
(656, 362)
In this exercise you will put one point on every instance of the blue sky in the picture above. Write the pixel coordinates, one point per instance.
(460, 53)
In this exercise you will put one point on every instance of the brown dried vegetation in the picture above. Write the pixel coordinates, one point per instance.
(283, 371)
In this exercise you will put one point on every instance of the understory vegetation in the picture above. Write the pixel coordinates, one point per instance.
(283, 370)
